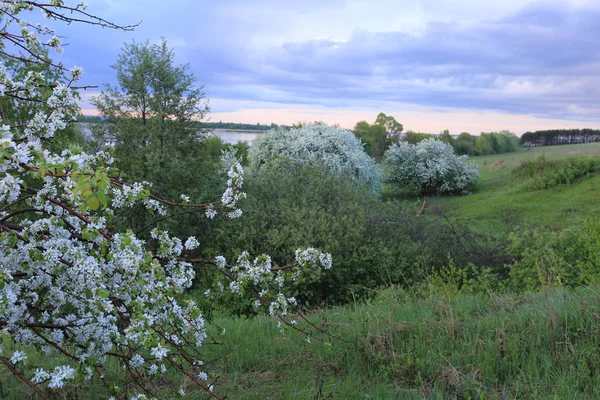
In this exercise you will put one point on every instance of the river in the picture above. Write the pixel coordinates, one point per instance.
(226, 135)
(229, 136)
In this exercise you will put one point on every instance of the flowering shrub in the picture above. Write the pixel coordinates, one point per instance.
(74, 287)
(431, 166)
(335, 148)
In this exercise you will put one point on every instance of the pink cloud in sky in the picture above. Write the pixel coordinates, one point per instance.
(416, 118)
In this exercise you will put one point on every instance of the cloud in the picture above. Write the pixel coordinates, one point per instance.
(515, 56)
(542, 61)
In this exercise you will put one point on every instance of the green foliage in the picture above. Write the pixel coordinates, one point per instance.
(416, 137)
(452, 279)
(153, 114)
(495, 143)
(446, 137)
(542, 173)
(389, 123)
(372, 243)
(464, 143)
(375, 138)
(565, 258)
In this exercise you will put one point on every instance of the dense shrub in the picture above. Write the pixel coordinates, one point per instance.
(373, 243)
(565, 258)
(542, 173)
(429, 166)
(337, 149)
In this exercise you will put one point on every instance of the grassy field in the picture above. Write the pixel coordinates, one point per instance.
(498, 201)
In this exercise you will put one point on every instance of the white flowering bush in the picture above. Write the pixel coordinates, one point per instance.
(339, 150)
(74, 291)
(431, 166)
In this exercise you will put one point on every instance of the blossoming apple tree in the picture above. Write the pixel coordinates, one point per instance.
(76, 294)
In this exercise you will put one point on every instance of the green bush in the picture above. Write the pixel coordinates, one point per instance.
(542, 173)
(373, 243)
(566, 258)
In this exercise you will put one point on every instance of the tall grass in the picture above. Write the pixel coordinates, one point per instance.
(494, 346)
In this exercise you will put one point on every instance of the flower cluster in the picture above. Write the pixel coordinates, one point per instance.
(431, 165)
(78, 289)
(337, 149)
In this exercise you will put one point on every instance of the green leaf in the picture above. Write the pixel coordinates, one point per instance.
(93, 203)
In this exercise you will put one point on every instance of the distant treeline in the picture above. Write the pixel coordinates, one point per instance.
(91, 119)
(560, 136)
(245, 127)
(465, 143)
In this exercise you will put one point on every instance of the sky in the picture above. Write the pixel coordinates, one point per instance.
(462, 65)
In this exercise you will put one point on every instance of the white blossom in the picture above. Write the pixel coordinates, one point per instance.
(159, 352)
(59, 375)
(431, 166)
(339, 150)
(18, 356)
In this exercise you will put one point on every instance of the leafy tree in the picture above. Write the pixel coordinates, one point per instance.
(430, 166)
(375, 138)
(496, 143)
(389, 123)
(416, 137)
(153, 114)
(464, 143)
(560, 136)
(151, 109)
(483, 145)
(81, 299)
(446, 137)
(336, 149)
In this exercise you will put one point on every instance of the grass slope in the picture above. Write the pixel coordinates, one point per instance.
(498, 201)
(534, 346)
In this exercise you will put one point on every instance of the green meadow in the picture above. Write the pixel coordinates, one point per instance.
(499, 200)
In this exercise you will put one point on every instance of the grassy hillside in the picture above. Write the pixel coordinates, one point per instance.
(499, 202)
(534, 346)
